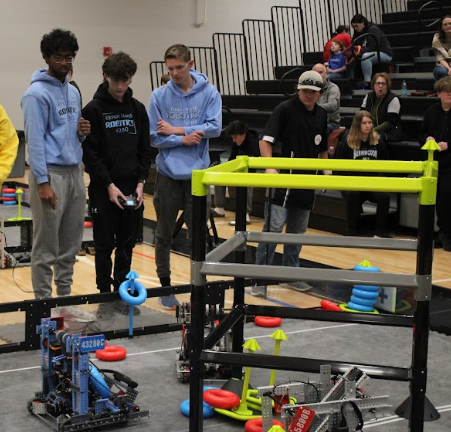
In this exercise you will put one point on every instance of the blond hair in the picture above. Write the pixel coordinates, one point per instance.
(355, 134)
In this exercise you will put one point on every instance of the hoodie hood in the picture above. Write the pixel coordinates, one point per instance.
(52, 110)
(103, 94)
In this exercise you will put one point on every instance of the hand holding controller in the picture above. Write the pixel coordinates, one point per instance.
(130, 202)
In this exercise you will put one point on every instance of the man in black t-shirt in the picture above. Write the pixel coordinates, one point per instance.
(300, 124)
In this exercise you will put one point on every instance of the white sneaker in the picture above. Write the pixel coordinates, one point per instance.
(248, 221)
(297, 286)
(73, 313)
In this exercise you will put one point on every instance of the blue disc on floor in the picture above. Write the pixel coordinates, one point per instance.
(9, 202)
(208, 411)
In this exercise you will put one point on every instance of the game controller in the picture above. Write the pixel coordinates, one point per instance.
(131, 202)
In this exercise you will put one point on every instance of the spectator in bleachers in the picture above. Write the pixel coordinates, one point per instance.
(364, 143)
(437, 126)
(337, 61)
(164, 79)
(385, 108)
(245, 143)
(329, 100)
(341, 34)
(441, 44)
(367, 51)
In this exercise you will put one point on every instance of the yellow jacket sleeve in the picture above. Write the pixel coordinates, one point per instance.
(9, 143)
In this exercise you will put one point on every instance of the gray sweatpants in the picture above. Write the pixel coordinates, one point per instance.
(57, 234)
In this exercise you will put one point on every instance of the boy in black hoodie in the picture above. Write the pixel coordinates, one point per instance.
(437, 126)
(117, 157)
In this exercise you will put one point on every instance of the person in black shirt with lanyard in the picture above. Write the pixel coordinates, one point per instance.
(364, 143)
(300, 124)
(437, 125)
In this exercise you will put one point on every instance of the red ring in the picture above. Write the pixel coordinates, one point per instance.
(111, 353)
(256, 424)
(88, 224)
(223, 399)
(328, 305)
(8, 198)
(263, 321)
(9, 190)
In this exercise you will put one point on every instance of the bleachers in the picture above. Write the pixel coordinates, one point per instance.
(412, 61)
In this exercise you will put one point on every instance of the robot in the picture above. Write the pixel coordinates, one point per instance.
(75, 395)
(212, 370)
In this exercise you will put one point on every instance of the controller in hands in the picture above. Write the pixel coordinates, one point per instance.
(130, 202)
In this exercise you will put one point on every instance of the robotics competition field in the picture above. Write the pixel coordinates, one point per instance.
(151, 363)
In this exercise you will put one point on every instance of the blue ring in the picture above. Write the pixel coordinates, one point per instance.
(208, 410)
(130, 299)
(9, 195)
(9, 202)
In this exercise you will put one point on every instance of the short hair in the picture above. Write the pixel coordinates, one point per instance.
(359, 18)
(236, 127)
(340, 29)
(354, 138)
(164, 79)
(178, 51)
(443, 84)
(58, 40)
(381, 75)
(119, 66)
(441, 33)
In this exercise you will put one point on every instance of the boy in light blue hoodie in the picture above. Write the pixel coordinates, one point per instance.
(54, 130)
(183, 115)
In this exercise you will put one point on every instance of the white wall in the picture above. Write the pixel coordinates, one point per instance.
(142, 28)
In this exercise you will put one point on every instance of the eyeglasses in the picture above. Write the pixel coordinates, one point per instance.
(177, 68)
(59, 59)
(312, 82)
(380, 83)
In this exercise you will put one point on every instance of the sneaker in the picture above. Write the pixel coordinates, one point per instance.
(105, 310)
(248, 221)
(169, 302)
(73, 313)
(299, 286)
(259, 291)
(382, 234)
(216, 214)
(122, 308)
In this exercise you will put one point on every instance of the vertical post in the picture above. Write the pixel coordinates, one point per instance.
(238, 293)
(421, 320)
(196, 335)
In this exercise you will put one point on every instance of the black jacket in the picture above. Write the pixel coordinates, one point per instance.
(388, 123)
(437, 123)
(248, 148)
(118, 148)
(368, 44)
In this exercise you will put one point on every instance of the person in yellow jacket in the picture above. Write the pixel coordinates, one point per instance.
(9, 143)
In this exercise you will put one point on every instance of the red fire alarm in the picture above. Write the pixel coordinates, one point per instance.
(107, 51)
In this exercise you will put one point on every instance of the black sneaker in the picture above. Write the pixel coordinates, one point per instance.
(382, 234)
(217, 215)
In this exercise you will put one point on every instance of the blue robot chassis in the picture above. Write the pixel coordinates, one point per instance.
(75, 395)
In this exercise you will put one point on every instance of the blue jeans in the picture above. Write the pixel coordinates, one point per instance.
(296, 220)
(368, 60)
(440, 72)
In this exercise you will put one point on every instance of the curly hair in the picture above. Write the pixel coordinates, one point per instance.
(119, 66)
(355, 133)
(58, 40)
(443, 85)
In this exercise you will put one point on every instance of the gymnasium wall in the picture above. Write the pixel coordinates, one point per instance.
(142, 28)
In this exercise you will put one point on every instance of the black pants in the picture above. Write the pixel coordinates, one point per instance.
(113, 228)
(443, 206)
(354, 201)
